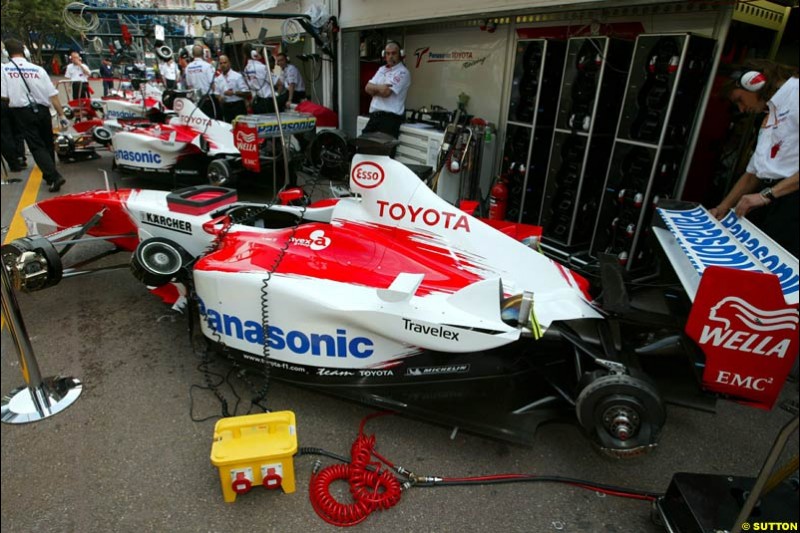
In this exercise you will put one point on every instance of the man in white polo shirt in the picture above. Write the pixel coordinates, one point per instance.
(292, 79)
(255, 76)
(79, 74)
(200, 77)
(169, 72)
(232, 90)
(30, 95)
(388, 88)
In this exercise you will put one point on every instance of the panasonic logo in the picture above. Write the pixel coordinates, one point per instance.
(704, 241)
(766, 253)
(295, 341)
(137, 157)
(289, 126)
(114, 113)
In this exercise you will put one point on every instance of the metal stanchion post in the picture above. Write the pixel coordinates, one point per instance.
(763, 476)
(39, 398)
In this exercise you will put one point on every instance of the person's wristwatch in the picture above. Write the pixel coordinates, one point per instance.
(767, 194)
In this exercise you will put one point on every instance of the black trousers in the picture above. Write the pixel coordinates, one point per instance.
(298, 96)
(80, 90)
(384, 122)
(780, 220)
(169, 84)
(13, 143)
(231, 110)
(37, 128)
(107, 87)
(263, 105)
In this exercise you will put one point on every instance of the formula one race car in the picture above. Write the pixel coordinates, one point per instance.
(96, 120)
(187, 145)
(397, 299)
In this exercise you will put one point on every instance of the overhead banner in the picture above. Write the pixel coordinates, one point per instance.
(446, 64)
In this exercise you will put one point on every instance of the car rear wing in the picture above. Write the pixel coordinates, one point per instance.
(744, 292)
(693, 240)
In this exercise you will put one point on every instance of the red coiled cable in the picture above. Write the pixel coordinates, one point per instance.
(371, 488)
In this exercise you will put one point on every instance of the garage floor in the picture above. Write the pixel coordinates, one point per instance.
(128, 457)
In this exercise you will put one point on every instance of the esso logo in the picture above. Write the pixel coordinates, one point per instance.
(367, 175)
(178, 105)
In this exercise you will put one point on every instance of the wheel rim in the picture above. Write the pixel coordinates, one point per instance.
(622, 414)
(218, 174)
(160, 258)
(64, 145)
(101, 134)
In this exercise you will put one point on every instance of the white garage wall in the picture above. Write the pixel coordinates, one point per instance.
(445, 64)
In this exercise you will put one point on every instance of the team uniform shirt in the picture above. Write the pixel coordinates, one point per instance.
(291, 74)
(400, 79)
(255, 74)
(199, 75)
(169, 70)
(776, 154)
(13, 88)
(232, 80)
(77, 73)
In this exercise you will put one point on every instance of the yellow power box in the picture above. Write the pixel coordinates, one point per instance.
(255, 450)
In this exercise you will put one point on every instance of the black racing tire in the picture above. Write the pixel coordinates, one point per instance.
(68, 112)
(102, 135)
(164, 52)
(157, 261)
(622, 414)
(220, 173)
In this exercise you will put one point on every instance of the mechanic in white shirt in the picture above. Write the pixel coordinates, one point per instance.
(291, 79)
(79, 74)
(30, 95)
(199, 76)
(231, 88)
(169, 72)
(769, 187)
(388, 88)
(255, 76)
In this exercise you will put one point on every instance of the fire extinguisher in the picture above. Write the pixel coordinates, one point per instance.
(498, 199)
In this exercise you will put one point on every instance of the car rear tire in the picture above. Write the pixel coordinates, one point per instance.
(220, 173)
(622, 414)
(157, 261)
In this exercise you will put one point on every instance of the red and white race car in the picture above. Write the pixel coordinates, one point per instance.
(188, 145)
(396, 298)
(95, 120)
